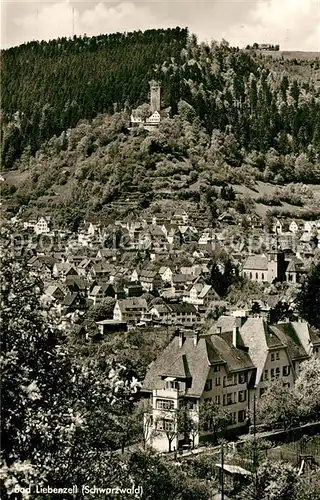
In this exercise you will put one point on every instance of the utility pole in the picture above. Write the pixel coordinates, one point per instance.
(254, 446)
(222, 472)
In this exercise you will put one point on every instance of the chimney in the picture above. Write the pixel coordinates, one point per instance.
(180, 336)
(235, 335)
(196, 337)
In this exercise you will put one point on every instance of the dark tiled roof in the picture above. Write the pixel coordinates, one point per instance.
(69, 299)
(256, 262)
(289, 337)
(183, 307)
(195, 359)
(235, 359)
(179, 368)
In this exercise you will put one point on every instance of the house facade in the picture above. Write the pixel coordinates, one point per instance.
(130, 310)
(228, 368)
(193, 370)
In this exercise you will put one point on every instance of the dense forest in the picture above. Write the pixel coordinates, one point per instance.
(49, 86)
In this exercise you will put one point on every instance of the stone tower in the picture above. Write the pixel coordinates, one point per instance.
(276, 265)
(154, 96)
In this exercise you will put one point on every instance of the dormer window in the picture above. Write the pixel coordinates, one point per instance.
(172, 383)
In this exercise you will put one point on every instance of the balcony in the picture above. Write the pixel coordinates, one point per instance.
(168, 393)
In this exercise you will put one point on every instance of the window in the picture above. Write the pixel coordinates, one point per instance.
(262, 276)
(242, 396)
(241, 416)
(272, 372)
(261, 391)
(266, 375)
(218, 381)
(277, 372)
(208, 386)
(173, 384)
(233, 418)
(272, 357)
(242, 378)
(278, 355)
(228, 399)
(231, 380)
(216, 368)
(257, 276)
(286, 371)
(165, 425)
(217, 399)
(165, 404)
(168, 425)
(192, 405)
(250, 275)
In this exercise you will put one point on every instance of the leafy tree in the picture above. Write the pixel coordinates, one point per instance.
(213, 418)
(253, 449)
(143, 414)
(256, 308)
(308, 487)
(278, 406)
(274, 480)
(102, 311)
(56, 413)
(171, 423)
(308, 298)
(307, 389)
(227, 193)
(280, 312)
(164, 481)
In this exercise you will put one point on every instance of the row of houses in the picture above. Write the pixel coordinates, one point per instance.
(229, 365)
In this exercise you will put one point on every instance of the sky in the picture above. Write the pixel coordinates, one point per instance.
(293, 24)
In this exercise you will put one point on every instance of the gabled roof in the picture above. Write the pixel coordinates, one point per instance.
(183, 278)
(132, 303)
(194, 360)
(161, 308)
(51, 289)
(96, 289)
(182, 307)
(288, 335)
(179, 368)
(307, 335)
(147, 274)
(296, 265)
(235, 359)
(163, 269)
(259, 339)
(205, 290)
(197, 360)
(70, 299)
(225, 323)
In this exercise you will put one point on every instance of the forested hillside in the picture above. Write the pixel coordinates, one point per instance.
(49, 86)
(234, 119)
